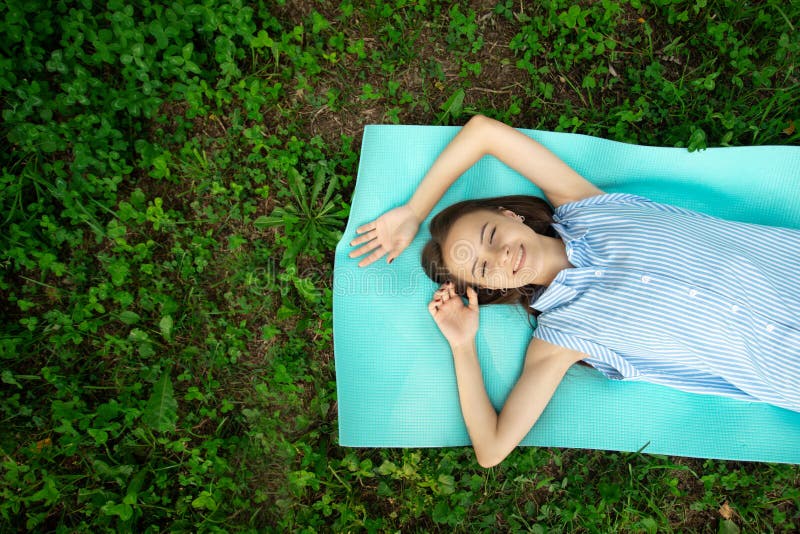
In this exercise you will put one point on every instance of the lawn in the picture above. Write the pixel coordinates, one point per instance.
(175, 178)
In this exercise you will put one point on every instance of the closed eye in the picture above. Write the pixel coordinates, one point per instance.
(491, 236)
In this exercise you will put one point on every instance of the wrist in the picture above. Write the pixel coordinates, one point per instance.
(416, 210)
(463, 348)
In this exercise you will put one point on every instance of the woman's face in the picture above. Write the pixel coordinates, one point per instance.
(493, 250)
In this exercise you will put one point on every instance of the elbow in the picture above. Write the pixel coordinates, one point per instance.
(480, 128)
(487, 459)
(478, 121)
(483, 128)
(491, 448)
(486, 464)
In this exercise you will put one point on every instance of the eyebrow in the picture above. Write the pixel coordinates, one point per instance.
(483, 228)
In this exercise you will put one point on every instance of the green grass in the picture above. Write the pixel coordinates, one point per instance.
(175, 180)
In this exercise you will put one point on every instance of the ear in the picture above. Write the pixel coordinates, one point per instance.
(510, 214)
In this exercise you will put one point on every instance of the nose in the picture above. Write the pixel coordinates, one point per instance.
(498, 255)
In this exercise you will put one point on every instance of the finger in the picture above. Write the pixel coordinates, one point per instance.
(447, 290)
(366, 227)
(369, 247)
(472, 295)
(433, 308)
(397, 248)
(391, 257)
(364, 238)
(375, 256)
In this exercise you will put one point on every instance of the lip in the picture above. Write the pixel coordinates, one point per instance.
(521, 260)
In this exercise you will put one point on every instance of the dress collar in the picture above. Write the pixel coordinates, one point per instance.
(556, 294)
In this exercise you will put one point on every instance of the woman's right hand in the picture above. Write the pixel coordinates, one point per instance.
(457, 322)
(389, 234)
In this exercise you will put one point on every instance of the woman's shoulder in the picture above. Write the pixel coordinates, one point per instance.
(585, 208)
(602, 200)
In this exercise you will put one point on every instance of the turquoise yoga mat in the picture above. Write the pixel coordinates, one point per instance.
(394, 371)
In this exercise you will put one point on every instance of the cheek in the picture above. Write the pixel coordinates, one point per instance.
(461, 273)
(462, 252)
(460, 259)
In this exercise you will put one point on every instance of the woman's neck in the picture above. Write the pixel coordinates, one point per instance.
(555, 252)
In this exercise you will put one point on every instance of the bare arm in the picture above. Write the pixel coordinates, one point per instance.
(393, 231)
(482, 136)
(495, 436)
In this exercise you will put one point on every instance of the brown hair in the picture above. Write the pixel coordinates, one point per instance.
(538, 216)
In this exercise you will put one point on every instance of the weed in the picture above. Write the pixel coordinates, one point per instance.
(175, 180)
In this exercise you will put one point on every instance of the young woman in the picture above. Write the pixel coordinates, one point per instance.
(637, 289)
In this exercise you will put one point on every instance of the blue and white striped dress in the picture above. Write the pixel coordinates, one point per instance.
(679, 298)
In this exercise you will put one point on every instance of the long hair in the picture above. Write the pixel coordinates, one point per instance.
(538, 216)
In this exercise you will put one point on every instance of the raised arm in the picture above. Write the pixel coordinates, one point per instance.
(393, 231)
(495, 436)
(483, 136)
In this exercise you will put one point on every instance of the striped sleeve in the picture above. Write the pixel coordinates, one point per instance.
(597, 354)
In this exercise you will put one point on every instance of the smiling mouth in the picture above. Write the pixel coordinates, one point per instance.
(519, 260)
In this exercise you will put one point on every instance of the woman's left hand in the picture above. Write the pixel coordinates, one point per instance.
(458, 323)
